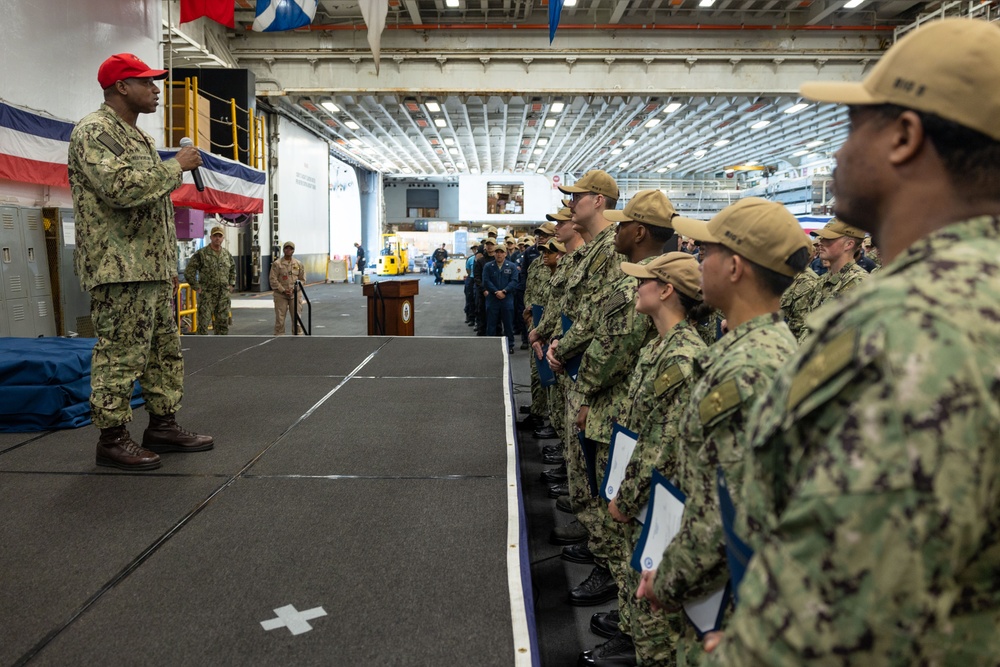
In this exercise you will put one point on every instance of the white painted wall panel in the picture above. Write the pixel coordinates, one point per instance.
(303, 189)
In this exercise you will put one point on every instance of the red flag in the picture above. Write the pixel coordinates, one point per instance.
(220, 11)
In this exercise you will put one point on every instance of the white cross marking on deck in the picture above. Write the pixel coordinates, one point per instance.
(293, 619)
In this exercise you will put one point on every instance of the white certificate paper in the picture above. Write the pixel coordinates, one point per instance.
(623, 443)
(663, 522)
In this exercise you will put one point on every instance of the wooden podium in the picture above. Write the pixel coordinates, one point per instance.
(390, 307)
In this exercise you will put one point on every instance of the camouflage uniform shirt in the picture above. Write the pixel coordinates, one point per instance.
(738, 367)
(587, 290)
(874, 507)
(536, 286)
(121, 199)
(796, 300)
(620, 333)
(211, 270)
(550, 325)
(658, 395)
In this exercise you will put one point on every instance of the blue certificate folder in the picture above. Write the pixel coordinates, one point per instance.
(545, 375)
(572, 365)
(738, 552)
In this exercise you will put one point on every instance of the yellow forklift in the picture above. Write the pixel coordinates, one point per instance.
(393, 259)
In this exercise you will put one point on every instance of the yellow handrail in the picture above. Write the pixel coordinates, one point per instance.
(185, 295)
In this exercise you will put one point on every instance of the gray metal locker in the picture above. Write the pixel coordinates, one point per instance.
(13, 263)
(35, 254)
(74, 302)
(4, 327)
(43, 317)
(19, 318)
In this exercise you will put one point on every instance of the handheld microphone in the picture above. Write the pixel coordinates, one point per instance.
(195, 173)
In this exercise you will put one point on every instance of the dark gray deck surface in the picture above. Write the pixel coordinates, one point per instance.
(366, 476)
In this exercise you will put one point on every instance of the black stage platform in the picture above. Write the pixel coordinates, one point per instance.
(370, 483)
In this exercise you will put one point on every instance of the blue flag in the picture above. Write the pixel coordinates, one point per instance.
(555, 9)
(278, 15)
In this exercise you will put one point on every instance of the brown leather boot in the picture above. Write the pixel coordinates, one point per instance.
(117, 449)
(164, 435)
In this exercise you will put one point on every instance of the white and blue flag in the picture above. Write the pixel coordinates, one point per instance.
(278, 15)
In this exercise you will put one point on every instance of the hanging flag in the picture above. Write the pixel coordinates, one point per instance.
(220, 11)
(555, 9)
(374, 13)
(33, 148)
(278, 15)
(230, 186)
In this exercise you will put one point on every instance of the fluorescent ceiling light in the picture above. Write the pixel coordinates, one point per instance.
(616, 151)
(453, 151)
(541, 170)
(474, 170)
(800, 153)
(759, 124)
(448, 141)
(672, 107)
(451, 3)
(557, 106)
(432, 105)
(407, 170)
(550, 122)
(357, 142)
(751, 163)
(700, 153)
(851, 4)
(330, 106)
(538, 151)
(652, 122)
(624, 164)
(532, 165)
(440, 122)
(543, 141)
(673, 165)
(351, 124)
(706, 3)
(814, 144)
(720, 143)
(661, 170)
(569, 3)
(628, 142)
(795, 108)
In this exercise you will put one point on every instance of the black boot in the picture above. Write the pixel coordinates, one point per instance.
(619, 651)
(597, 588)
(164, 435)
(117, 449)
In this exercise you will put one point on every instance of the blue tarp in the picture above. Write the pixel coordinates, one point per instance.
(45, 383)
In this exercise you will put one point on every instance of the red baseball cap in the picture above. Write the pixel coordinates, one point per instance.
(126, 66)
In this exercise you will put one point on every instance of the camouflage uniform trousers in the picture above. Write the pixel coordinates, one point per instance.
(555, 396)
(654, 634)
(580, 500)
(539, 394)
(137, 338)
(214, 304)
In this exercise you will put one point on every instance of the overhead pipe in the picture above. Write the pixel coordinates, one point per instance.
(595, 26)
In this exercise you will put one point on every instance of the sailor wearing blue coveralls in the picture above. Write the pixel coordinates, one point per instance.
(499, 282)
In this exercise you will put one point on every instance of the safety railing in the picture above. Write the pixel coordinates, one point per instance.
(296, 319)
(185, 96)
(187, 308)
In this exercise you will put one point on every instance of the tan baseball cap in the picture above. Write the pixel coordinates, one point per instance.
(288, 244)
(763, 231)
(547, 228)
(566, 202)
(217, 230)
(836, 228)
(950, 68)
(680, 269)
(596, 181)
(489, 241)
(563, 215)
(491, 231)
(554, 246)
(650, 207)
